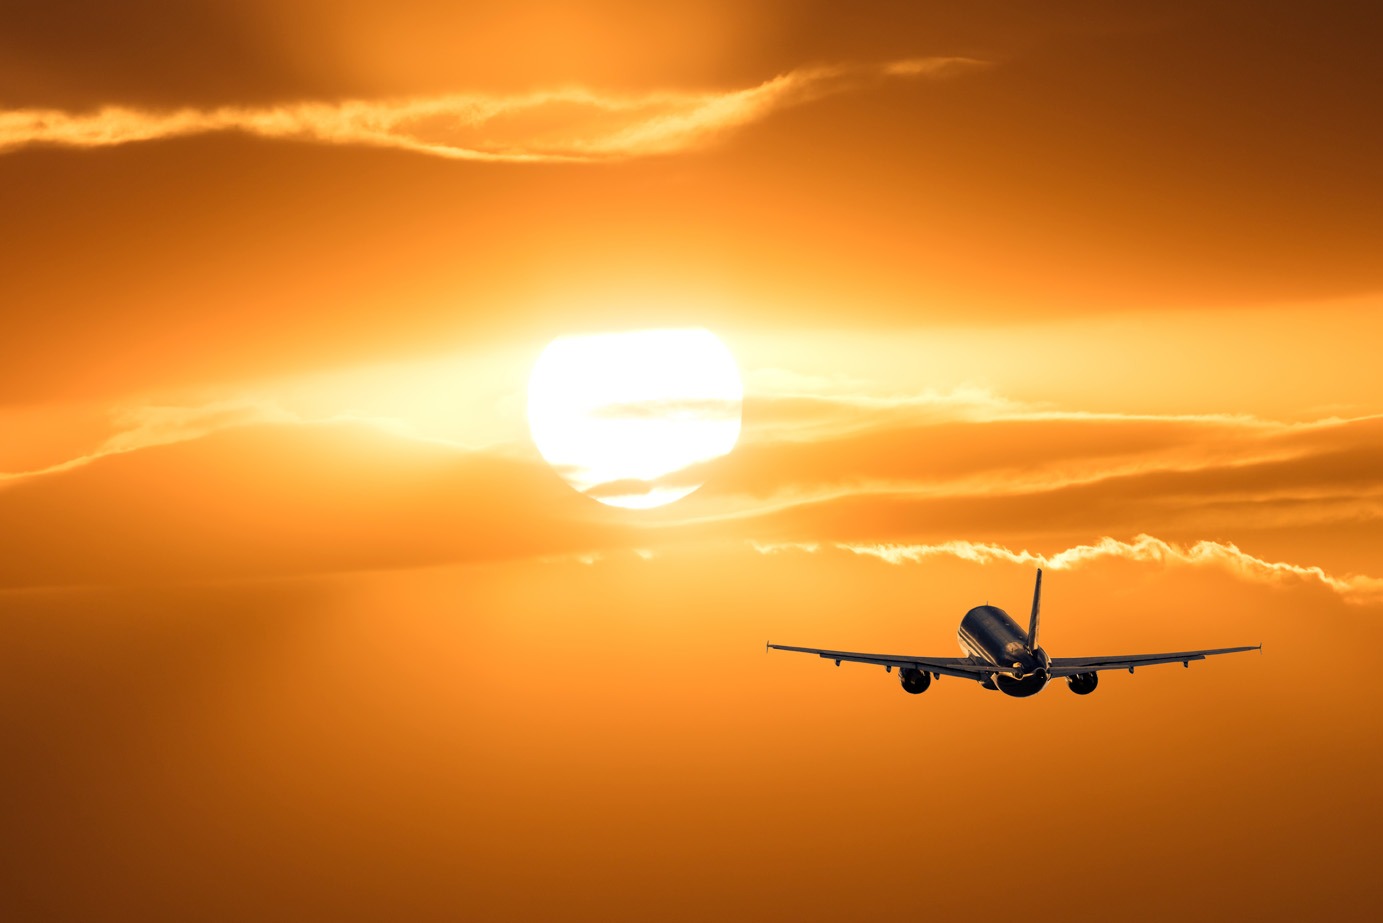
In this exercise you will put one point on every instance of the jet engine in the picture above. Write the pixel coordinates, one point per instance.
(915, 681)
(1083, 683)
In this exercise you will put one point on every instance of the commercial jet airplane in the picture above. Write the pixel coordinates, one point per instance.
(1000, 655)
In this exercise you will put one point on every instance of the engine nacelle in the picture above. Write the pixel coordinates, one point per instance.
(1083, 683)
(914, 681)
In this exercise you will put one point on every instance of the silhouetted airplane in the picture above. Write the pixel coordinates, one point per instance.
(1004, 657)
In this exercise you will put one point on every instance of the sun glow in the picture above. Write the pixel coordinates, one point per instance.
(625, 418)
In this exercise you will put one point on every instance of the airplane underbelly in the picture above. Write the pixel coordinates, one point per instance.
(1031, 684)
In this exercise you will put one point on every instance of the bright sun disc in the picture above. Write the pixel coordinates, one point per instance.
(623, 416)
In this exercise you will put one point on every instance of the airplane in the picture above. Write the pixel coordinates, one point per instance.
(1001, 656)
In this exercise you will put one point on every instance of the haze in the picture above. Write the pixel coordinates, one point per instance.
(295, 622)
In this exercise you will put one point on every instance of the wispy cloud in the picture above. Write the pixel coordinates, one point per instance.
(1354, 588)
(689, 410)
(270, 500)
(802, 406)
(969, 443)
(570, 124)
(143, 426)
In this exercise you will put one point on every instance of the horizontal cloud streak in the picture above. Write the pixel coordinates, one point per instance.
(142, 427)
(1353, 588)
(334, 489)
(805, 450)
(287, 499)
(563, 125)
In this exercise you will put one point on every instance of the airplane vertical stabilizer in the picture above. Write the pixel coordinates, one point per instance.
(1036, 611)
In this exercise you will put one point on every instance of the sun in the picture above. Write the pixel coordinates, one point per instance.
(630, 418)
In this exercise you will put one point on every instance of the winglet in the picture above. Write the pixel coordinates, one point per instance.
(1036, 611)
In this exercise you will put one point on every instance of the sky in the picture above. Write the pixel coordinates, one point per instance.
(297, 623)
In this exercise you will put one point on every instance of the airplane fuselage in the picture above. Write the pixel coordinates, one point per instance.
(990, 635)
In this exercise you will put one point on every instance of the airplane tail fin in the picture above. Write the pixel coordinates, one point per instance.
(1036, 611)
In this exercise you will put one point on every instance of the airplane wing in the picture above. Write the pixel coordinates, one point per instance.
(946, 666)
(1069, 666)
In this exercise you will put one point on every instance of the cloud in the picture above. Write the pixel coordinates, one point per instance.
(275, 500)
(1052, 481)
(623, 488)
(948, 446)
(562, 125)
(1337, 485)
(141, 426)
(245, 487)
(1353, 588)
(688, 409)
(958, 446)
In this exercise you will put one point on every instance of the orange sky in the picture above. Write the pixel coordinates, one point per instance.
(297, 624)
